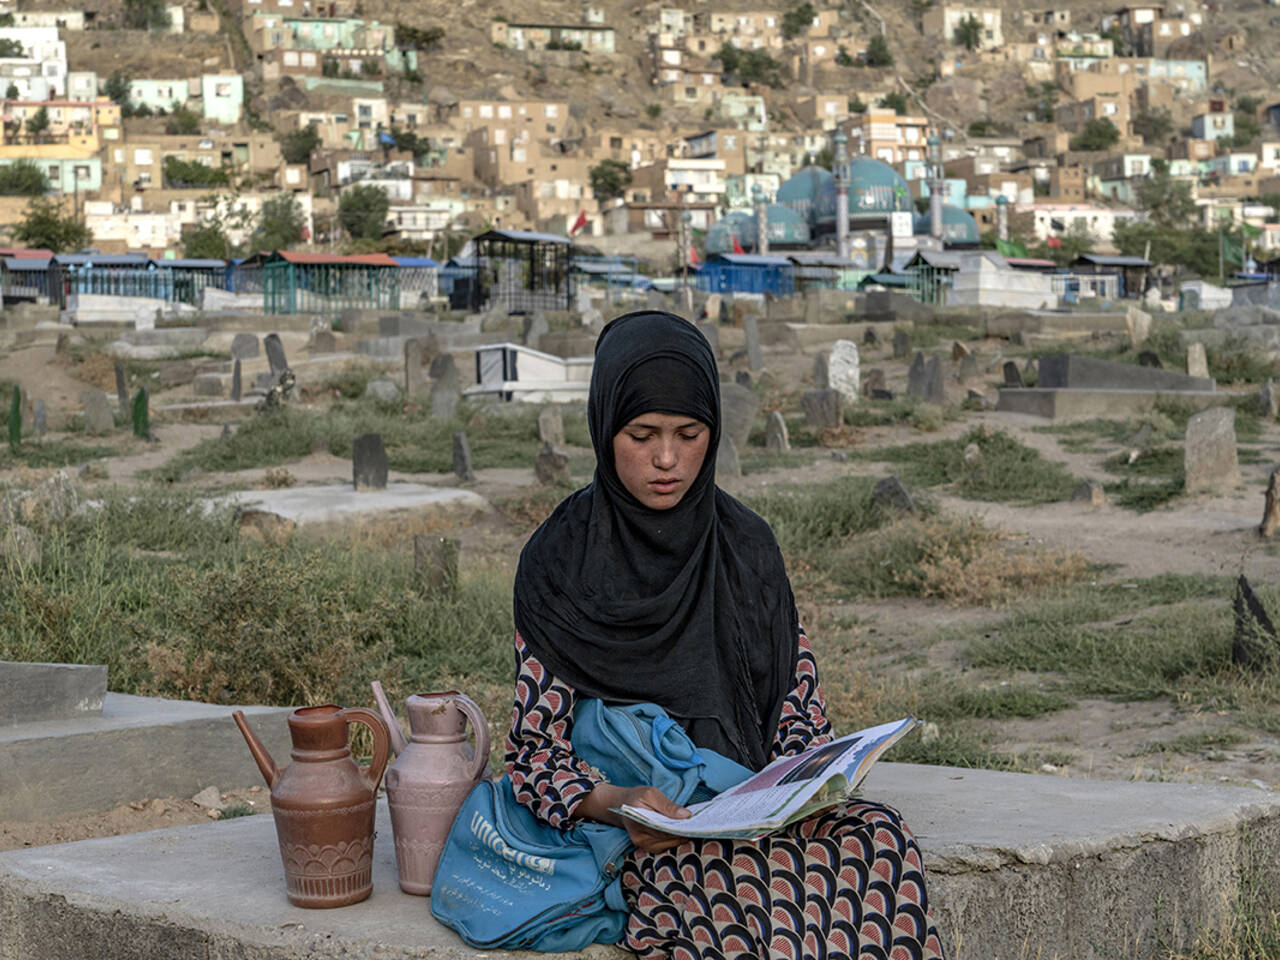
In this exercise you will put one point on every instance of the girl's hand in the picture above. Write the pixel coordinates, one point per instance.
(605, 798)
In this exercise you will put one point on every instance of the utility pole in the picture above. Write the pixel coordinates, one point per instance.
(762, 219)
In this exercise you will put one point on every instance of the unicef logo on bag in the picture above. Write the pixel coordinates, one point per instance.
(487, 833)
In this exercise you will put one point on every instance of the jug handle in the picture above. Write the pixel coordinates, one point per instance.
(381, 741)
(479, 726)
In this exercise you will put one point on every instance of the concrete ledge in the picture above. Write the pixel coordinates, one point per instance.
(339, 501)
(1019, 866)
(1080, 404)
(30, 692)
(139, 747)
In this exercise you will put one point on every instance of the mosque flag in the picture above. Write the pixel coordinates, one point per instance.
(737, 247)
(693, 256)
(579, 223)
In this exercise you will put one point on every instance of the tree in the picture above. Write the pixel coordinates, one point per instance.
(280, 223)
(362, 211)
(418, 38)
(44, 227)
(23, 178)
(12, 93)
(609, 179)
(896, 101)
(797, 20)
(1044, 101)
(981, 128)
(856, 105)
(1153, 126)
(11, 49)
(297, 145)
(207, 242)
(1166, 202)
(186, 174)
(145, 15)
(968, 33)
(1098, 134)
(842, 57)
(183, 121)
(38, 123)
(1247, 128)
(750, 66)
(1195, 249)
(878, 52)
(1116, 36)
(410, 141)
(1077, 240)
(117, 87)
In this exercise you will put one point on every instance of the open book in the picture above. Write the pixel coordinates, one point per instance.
(787, 790)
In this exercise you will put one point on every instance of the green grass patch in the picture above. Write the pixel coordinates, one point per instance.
(238, 810)
(758, 461)
(55, 453)
(1153, 462)
(927, 336)
(1144, 496)
(1202, 742)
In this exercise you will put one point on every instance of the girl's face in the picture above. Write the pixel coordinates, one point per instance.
(658, 456)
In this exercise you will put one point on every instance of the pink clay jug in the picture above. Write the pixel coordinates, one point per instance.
(433, 773)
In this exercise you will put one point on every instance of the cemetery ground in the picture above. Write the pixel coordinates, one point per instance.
(1032, 631)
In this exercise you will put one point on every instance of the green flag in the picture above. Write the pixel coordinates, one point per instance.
(1012, 248)
(1250, 231)
(1232, 249)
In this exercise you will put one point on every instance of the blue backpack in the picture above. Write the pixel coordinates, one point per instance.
(507, 880)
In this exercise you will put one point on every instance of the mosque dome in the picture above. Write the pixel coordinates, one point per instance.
(875, 187)
(787, 228)
(959, 228)
(811, 192)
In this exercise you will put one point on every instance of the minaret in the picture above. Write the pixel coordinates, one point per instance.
(1002, 217)
(762, 219)
(936, 187)
(842, 195)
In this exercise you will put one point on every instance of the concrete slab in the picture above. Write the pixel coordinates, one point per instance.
(1065, 324)
(1064, 370)
(339, 501)
(31, 692)
(138, 747)
(1018, 865)
(1075, 404)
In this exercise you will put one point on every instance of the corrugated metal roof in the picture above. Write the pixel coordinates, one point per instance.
(820, 259)
(1105, 260)
(523, 236)
(1029, 262)
(19, 253)
(194, 263)
(750, 259)
(415, 261)
(358, 259)
(27, 264)
(102, 259)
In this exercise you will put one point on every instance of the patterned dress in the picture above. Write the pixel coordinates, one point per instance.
(845, 883)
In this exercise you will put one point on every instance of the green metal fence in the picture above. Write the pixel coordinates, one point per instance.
(327, 289)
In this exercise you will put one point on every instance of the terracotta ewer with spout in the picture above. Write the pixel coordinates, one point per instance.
(434, 771)
(324, 804)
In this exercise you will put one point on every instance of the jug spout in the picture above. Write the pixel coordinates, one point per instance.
(270, 773)
(398, 742)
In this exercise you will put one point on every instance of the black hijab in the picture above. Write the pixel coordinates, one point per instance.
(689, 608)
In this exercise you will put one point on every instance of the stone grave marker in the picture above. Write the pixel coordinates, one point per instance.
(369, 462)
(1209, 459)
(959, 351)
(969, 367)
(462, 457)
(98, 418)
(1012, 378)
(873, 381)
(263, 381)
(775, 433)
(237, 381)
(446, 391)
(933, 390)
(1271, 507)
(275, 354)
(822, 370)
(742, 378)
(751, 332)
(1253, 644)
(844, 370)
(1149, 358)
(535, 325)
(177, 374)
(1090, 492)
(551, 466)
(1268, 400)
(142, 414)
(583, 299)
(728, 464)
(415, 370)
(551, 426)
(39, 418)
(712, 333)
(324, 341)
(244, 346)
(1032, 366)
(62, 344)
(384, 390)
(207, 385)
(435, 563)
(901, 344)
(738, 406)
(1138, 324)
(1197, 362)
(711, 309)
(890, 492)
(122, 387)
(822, 408)
(916, 376)
(35, 692)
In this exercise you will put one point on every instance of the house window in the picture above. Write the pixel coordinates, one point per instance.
(504, 111)
(143, 158)
(222, 90)
(308, 59)
(82, 172)
(486, 111)
(54, 173)
(551, 110)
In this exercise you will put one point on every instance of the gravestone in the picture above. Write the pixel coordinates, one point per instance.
(959, 351)
(237, 382)
(435, 563)
(551, 426)
(142, 414)
(711, 309)
(890, 492)
(62, 344)
(262, 382)
(1197, 362)
(869, 337)
(323, 341)
(535, 325)
(1012, 378)
(39, 418)
(1067, 371)
(1268, 400)
(751, 332)
(583, 300)
(844, 370)
(822, 370)
(822, 408)
(98, 418)
(275, 354)
(244, 346)
(1149, 358)
(969, 367)
(1138, 324)
(933, 390)
(1253, 643)
(369, 462)
(177, 374)
(916, 376)
(122, 388)
(1030, 367)
(551, 466)
(873, 381)
(775, 433)
(712, 333)
(383, 390)
(446, 391)
(728, 463)
(207, 385)
(1090, 492)
(1209, 459)
(743, 378)
(901, 344)
(462, 457)
(738, 406)
(415, 371)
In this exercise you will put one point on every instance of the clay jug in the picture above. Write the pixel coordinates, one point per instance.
(324, 804)
(433, 773)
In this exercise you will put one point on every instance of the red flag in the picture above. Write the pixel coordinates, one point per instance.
(693, 256)
(1054, 242)
(579, 223)
(737, 247)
